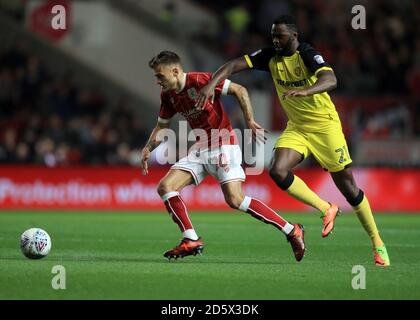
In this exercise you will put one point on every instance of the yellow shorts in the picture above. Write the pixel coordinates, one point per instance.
(329, 147)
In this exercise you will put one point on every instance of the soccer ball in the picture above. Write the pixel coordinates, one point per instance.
(35, 243)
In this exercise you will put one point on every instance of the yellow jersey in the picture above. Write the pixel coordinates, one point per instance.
(312, 113)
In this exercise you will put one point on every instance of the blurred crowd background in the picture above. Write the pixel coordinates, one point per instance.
(47, 119)
(383, 58)
(52, 118)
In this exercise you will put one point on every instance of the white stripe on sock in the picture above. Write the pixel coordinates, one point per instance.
(265, 219)
(173, 212)
(287, 227)
(245, 204)
(186, 213)
(168, 195)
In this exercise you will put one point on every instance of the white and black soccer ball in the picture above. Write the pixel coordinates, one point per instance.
(35, 243)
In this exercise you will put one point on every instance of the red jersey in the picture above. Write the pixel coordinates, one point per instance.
(212, 116)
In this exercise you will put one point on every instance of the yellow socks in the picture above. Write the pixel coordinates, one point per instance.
(364, 213)
(300, 191)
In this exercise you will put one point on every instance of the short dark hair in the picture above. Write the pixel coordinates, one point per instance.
(164, 57)
(289, 21)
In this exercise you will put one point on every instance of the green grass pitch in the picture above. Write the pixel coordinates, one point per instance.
(119, 256)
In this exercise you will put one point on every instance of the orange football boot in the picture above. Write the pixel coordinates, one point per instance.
(329, 217)
(381, 256)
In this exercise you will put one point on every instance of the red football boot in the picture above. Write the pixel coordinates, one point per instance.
(296, 239)
(187, 247)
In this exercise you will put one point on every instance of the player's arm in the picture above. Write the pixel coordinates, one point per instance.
(316, 65)
(152, 144)
(241, 94)
(225, 71)
(326, 82)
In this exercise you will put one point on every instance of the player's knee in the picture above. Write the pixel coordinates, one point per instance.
(164, 187)
(281, 176)
(355, 198)
(278, 173)
(234, 201)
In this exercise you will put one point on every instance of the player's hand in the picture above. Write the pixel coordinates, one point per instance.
(206, 93)
(254, 126)
(295, 93)
(145, 155)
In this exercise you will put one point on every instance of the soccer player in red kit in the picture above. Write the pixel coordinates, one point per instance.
(217, 154)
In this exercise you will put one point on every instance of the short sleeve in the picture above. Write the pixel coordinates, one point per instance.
(166, 110)
(221, 88)
(313, 60)
(260, 59)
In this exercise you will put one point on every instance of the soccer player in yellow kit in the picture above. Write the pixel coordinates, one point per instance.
(302, 79)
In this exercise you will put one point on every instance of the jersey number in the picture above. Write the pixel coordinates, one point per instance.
(343, 152)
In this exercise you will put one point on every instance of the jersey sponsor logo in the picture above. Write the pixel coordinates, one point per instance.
(299, 83)
(319, 59)
(255, 53)
(192, 93)
(193, 113)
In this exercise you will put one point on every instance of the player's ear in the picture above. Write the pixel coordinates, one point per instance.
(175, 71)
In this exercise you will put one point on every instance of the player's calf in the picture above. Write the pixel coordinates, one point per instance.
(294, 233)
(234, 201)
